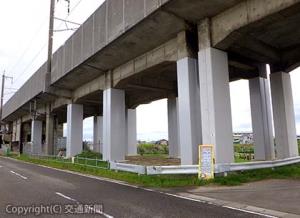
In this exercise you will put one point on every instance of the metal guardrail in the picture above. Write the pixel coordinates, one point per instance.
(179, 169)
(221, 168)
(139, 169)
(165, 170)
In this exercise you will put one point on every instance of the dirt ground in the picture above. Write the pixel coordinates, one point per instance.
(152, 161)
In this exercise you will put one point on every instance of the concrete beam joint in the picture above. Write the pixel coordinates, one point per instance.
(204, 34)
(183, 50)
(243, 14)
(108, 80)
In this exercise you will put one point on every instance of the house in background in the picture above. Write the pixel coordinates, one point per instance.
(243, 138)
(162, 142)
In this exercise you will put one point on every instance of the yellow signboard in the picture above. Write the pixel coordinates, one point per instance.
(206, 162)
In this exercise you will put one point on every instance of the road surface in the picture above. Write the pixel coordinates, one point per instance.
(23, 184)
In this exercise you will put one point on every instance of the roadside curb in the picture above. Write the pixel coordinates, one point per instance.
(236, 206)
(182, 195)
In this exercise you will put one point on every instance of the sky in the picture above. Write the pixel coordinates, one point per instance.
(23, 48)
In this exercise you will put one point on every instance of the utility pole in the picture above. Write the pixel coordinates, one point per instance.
(50, 41)
(50, 44)
(2, 93)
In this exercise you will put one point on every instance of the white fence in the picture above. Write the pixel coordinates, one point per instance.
(90, 162)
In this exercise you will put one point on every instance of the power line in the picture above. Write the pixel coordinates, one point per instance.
(35, 57)
(30, 63)
(27, 47)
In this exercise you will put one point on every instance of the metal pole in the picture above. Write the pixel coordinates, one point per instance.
(2, 97)
(50, 44)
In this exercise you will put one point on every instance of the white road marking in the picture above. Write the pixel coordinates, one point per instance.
(251, 212)
(202, 201)
(66, 197)
(101, 212)
(137, 187)
(0, 166)
(17, 174)
(91, 208)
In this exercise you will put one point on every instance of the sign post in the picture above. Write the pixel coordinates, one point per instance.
(206, 162)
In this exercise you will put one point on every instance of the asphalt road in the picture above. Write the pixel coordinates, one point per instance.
(23, 184)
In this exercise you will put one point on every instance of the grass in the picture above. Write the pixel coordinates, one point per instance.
(166, 181)
(156, 155)
(90, 154)
(238, 159)
(92, 162)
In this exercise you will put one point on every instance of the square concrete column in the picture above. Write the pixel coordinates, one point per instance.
(98, 134)
(188, 110)
(261, 119)
(16, 137)
(36, 136)
(131, 132)
(215, 103)
(114, 127)
(173, 132)
(58, 133)
(284, 116)
(49, 149)
(74, 129)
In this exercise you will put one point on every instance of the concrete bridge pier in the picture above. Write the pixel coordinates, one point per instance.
(49, 149)
(188, 100)
(16, 133)
(284, 116)
(58, 133)
(36, 136)
(131, 132)
(114, 124)
(98, 134)
(188, 109)
(173, 132)
(215, 97)
(215, 103)
(261, 117)
(74, 129)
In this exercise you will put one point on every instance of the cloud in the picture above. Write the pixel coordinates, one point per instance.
(297, 113)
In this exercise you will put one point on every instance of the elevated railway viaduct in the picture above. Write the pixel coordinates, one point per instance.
(132, 52)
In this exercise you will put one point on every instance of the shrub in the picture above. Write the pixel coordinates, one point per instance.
(90, 154)
(152, 149)
(249, 149)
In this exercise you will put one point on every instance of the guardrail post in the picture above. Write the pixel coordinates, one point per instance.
(73, 160)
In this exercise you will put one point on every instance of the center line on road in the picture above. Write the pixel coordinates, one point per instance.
(91, 208)
(17, 174)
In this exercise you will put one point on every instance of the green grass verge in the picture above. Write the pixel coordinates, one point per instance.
(165, 181)
(90, 154)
